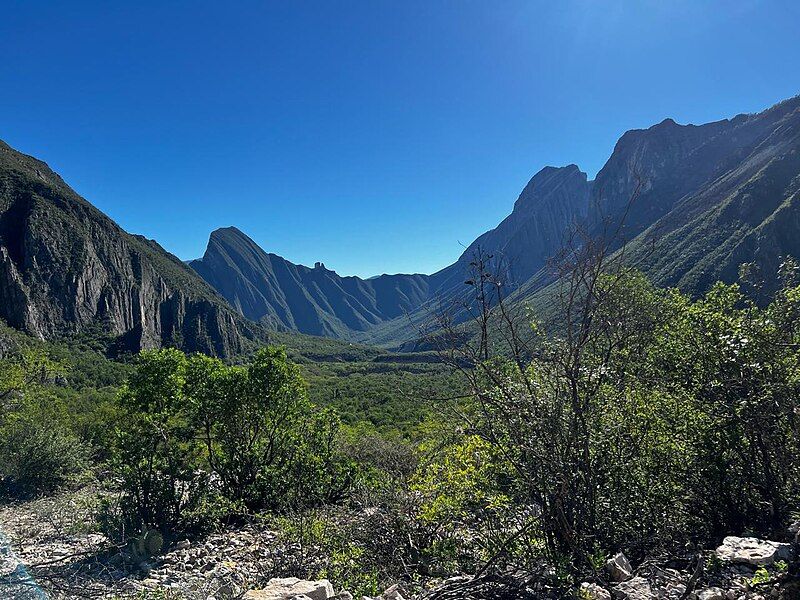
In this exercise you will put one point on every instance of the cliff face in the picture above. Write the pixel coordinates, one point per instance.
(709, 202)
(66, 267)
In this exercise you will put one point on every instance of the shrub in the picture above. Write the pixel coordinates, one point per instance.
(642, 418)
(38, 452)
(198, 439)
(157, 455)
(267, 443)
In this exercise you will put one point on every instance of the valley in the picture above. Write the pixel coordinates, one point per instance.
(608, 375)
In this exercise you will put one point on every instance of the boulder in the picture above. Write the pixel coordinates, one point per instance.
(292, 587)
(619, 568)
(594, 591)
(637, 588)
(753, 551)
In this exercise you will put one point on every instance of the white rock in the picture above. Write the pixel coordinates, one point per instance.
(290, 587)
(711, 593)
(753, 551)
(594, 591)
(619, 567)
(637, 588)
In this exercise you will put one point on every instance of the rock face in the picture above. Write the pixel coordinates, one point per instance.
(66, 268)
(753, 551)
(292, 587)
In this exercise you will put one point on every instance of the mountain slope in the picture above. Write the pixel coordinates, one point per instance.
(553, 200)
(265, 287)
(729, 199)
(66, 268)
(691, 203)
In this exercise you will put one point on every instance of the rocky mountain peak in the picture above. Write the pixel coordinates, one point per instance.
(547, 181)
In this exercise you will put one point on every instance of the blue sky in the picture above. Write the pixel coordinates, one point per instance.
(375, 136)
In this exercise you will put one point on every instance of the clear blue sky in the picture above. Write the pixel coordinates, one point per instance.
(376, 136)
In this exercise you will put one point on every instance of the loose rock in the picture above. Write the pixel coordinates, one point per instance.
(637, 588)
(292, 587)
(619, 567)
(752, 551)
(594, 591)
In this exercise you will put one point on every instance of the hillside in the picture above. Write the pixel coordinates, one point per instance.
(66, 268)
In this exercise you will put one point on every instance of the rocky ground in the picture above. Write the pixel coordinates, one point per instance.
(70, 559)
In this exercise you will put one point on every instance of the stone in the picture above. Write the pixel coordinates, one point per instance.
(393, 593)
(619, 567)
(292, 587)
(594, 591)
(711, 593)
(637, 588)
(753, 551)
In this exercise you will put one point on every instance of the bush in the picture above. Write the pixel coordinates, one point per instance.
(38, 452)
(198, 438)
(642, 420)
(268, 444)
(156, 454)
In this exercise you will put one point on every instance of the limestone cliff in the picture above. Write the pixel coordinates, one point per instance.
(66, 268)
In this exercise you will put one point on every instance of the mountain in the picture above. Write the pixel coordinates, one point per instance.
(716, 196)
(66, 269)
(690, 203)
(555, 199)
(265, 287)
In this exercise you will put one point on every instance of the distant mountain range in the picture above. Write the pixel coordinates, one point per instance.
(265, 287)
(692, 204)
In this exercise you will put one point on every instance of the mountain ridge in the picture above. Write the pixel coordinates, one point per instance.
(690, 203)
(655, 182)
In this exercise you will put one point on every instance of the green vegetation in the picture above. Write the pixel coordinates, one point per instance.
(640, 421)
